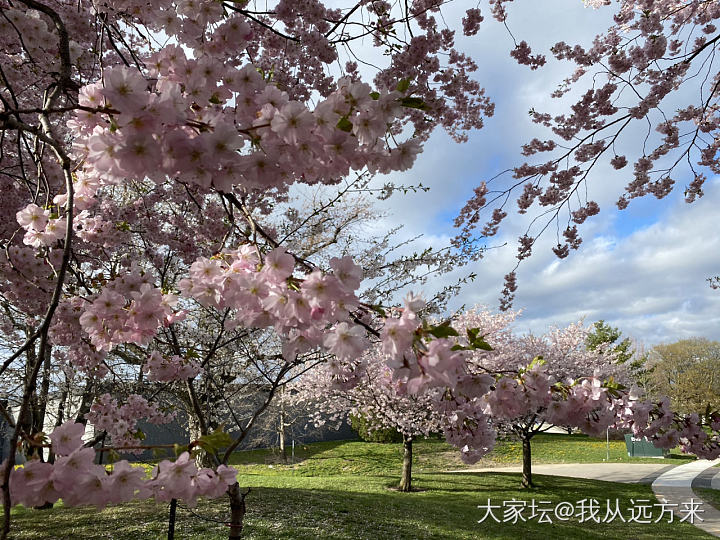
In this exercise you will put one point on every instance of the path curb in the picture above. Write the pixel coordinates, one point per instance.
(675, 487)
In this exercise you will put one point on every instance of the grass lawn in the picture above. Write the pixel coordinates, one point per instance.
(432, 455)
(350, 507)
(710, 495)
(341, 491)
(560, 448)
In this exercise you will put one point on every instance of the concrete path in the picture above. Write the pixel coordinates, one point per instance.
(671, 484)
(635, 473)
(675, 488)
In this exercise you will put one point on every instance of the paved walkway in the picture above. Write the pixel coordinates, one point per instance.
(675, 487)
(635, 473)
(670, 483)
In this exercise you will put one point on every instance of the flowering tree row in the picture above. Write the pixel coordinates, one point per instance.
(482, 379)
(144, 148)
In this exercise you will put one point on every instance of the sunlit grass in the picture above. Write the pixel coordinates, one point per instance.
(344, 507)
(709, 495)
(432, 455)
(342, 490)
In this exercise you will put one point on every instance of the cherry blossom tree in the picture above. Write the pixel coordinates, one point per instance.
(142, 146)
(526, 402)
(376, 396)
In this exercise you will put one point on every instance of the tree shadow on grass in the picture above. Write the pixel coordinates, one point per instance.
(342, 508)
(448, 513)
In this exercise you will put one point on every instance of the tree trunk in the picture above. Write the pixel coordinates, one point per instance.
(27, 419)
(527, 463)
(281, 427)
(237, 510)
(60, 418)
(85, 402)
(171, 519)
(406, 479)
(44, 390)
(203, 459)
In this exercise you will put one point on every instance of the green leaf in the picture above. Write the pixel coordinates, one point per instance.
(375, 95)
(180, 448)
(443, 330)
(112, 457)
(403, 85)
(480, 343)
(344, 124)
(537, 361)
(215, 441)
(414, 103)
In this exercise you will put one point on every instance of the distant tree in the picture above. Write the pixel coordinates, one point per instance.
(378, 405)
(604, 335)
(367, 430)
(688, 372)
(523, 406)
(641, 369)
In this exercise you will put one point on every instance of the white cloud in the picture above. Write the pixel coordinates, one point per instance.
(643, 270)
(651, 283)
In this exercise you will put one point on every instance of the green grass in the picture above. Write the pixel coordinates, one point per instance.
(709, 495)
(356, 457)
(342, 490)
(343, 507)
(576, 448)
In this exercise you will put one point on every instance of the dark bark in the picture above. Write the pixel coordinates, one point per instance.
(60, 418)
(27, 418)
(237, 510)
(406, 478)
(85, 403)
(527, 462)
(171, 519)
(44, 390)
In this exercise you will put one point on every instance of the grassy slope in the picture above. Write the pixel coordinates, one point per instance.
(340, 491)
(709, 495)
(353, 457)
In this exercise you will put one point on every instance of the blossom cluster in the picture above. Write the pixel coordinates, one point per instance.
(694, 433)
(421, 365)
(184, 126)
(78, 480)
(129, 309)
(268, 295)
(42, 230)
(174, 368)
(120, 421)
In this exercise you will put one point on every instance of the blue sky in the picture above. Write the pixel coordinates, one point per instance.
(642, 269)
